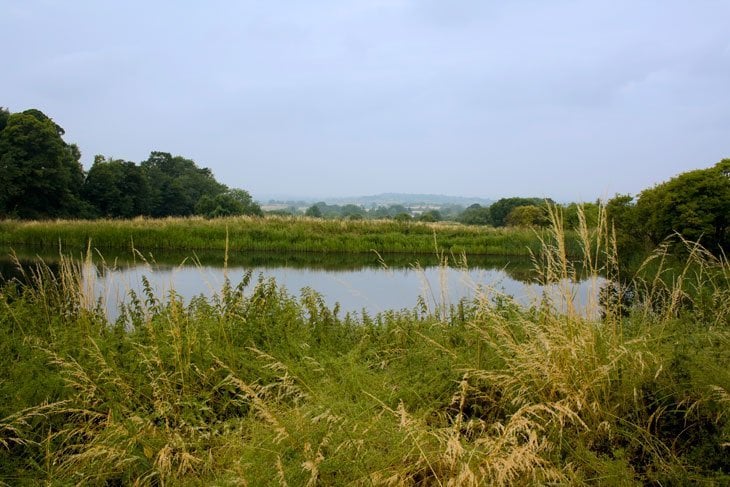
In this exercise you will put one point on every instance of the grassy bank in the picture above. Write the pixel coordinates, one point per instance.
(518, 267)
(259, 387)
(276, 234)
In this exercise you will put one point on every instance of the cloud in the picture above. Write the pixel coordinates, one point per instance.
(502, 95)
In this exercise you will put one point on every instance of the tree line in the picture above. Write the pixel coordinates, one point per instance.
(694, 206)
(41, 177)
(517, 211)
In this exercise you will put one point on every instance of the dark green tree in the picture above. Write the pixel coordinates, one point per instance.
(176, 184)
(623, 222)
(234, 202)
(116, 188)
(242, 197)
(430, 216)
(42, 117)
(40, 175)
(590, 213)
(382, 212)
(695, 204)
(475, 214)
(313, 211)
(395, 210)
(4, 115)
(352, 211)
(501, 208)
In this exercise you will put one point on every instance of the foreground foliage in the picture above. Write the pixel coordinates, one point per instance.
(258, 387)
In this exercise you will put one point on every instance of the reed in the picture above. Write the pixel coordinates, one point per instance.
(255, 386)
(273, 233)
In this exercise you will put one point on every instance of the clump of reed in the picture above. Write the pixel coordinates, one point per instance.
(258, 387)
(273, 233)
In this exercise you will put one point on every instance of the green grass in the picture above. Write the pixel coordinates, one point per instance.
(277, 234)
(259, 387)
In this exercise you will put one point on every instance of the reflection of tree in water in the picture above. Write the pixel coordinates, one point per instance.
(9, 271)
(23, 270)
(517, 268)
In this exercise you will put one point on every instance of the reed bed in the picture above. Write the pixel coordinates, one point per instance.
(273, 233)
(259, 387)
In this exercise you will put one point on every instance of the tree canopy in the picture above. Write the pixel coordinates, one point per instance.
(430, 216)
(4, 115)
(177, 184)
(527, 216)
(500, 209)
(694, 204)
(41, 177)
(476, 214)
(117, 188)
(40, 174)
(233, 202)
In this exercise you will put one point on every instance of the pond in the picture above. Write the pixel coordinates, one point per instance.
(357, 282)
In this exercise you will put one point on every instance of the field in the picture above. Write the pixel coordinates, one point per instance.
(258, 387)
(277, 234)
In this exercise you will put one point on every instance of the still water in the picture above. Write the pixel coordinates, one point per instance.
(369, 283)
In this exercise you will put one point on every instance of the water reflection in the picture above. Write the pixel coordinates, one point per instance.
(357, 282)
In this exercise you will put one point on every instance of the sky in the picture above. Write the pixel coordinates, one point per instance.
(573, 100)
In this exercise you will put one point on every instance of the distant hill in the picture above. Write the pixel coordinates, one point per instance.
(406, 199)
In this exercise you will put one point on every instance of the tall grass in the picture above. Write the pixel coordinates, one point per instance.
(274, 234)
(258, 387)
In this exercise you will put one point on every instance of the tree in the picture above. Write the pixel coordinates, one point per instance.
(176, 184)
(527, 216)
(590, 213)
(116, 188)
(387, 211)
(695, 204)
(352, 211)
(40, 175)
(623, 219)
(313, 211)
(450, 212)
(476, 214)
(4, 115)
(42, 117)
(234, 202)
(430, 216)
(501, 208)
(250, 207)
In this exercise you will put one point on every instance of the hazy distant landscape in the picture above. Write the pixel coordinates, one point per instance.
(386, 199)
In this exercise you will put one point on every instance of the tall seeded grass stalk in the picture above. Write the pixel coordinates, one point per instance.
(69, 290)
(160, 421)
(435, 299)
(557, 268)
(701, 281)
(555, 384)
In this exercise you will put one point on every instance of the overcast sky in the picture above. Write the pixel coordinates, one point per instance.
(573, 100)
